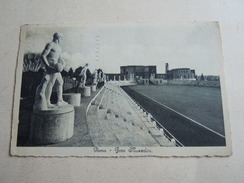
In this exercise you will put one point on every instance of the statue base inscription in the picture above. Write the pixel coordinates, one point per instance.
(52, 126)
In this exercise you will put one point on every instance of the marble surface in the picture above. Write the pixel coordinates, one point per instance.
(52, 126)
(114, 120)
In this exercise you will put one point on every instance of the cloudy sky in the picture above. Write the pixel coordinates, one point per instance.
(189, 45)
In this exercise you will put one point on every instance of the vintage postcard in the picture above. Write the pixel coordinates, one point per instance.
(120, 90)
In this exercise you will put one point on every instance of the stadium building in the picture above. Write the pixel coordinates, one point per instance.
(179, 73)
(137, 72)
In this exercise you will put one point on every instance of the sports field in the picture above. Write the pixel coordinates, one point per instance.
(202, 104)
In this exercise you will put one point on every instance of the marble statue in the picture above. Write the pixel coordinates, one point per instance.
(100, 76)
(104, 78)
(83, 76)
(95, 77)
(54, 64)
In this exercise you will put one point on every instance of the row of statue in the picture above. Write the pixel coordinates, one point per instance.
(53, 66)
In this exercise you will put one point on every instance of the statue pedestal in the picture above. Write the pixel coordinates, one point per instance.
(84, 91)
(93, 88)
(52, 126)
(72, 98)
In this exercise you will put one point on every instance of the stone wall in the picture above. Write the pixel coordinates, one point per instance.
(159, 81)
(194, 83)
(183, 82)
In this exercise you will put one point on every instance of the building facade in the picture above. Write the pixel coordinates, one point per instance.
(138, 72)
(180, 73)
(115, 77)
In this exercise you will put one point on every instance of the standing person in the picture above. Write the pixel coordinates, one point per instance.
(54, 64)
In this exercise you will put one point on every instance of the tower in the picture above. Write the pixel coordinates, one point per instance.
(166, 68)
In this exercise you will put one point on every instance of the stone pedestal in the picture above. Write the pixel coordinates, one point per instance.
(84, 91)
(52, 126)
(93, 88)
(72, 98)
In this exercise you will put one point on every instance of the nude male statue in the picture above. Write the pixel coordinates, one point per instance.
(95, 77)
(83, 76)
(54, 64)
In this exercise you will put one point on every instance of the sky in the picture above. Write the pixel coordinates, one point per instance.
(181, 45)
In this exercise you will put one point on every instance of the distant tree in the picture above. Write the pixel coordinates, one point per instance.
(32, 62)
(64, 73)
(71, 73)
(30, 81)
(89, 78)
(202, 77)
(88, 73)
(77, 71)
(196, 77)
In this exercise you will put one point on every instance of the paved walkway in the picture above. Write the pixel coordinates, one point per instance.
(110, 118)
(113, 119)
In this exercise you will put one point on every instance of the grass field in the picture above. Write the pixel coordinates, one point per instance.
(202, 104)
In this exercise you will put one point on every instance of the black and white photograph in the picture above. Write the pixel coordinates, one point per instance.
(120, 90)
